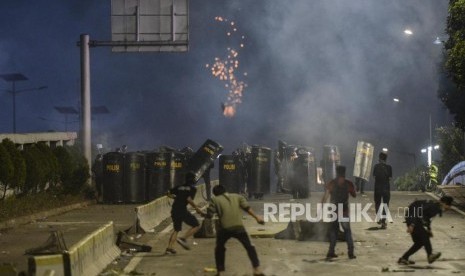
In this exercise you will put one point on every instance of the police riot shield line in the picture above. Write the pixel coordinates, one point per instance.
(134, 188)
(158, 174)
(230, 173)
(331, 159)
(123, 177)
(112, 188)
(304, 171)
(204, 157)
(363, 163)
(258, 181)
(296, 170)
(135, 177)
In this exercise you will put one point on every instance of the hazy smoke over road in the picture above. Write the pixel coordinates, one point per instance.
(327, 71)
(318, 72)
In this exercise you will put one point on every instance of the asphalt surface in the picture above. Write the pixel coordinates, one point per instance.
(74, 224)
(376, 250)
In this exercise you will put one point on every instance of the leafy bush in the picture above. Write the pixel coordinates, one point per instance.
(413, 180)
(76, 171)
(19, 164)
(35, 176)
(50, 163)
(6, 169)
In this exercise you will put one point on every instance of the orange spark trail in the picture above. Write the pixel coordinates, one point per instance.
(227, 69)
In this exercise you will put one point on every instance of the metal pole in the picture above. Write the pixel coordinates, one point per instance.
(85, 99)
(14, 106)
(137, 20)
(430, 148)
(173, 38)
(430, 132)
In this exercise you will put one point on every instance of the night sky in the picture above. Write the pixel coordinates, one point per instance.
(318, 72)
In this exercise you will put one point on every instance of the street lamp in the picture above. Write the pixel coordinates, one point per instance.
(66, 110)
(13, 78)
(66, 122)
(429, 150)
(408, 32)
(437, 41)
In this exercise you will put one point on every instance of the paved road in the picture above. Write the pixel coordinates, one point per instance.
(375, 250)
(74, 225)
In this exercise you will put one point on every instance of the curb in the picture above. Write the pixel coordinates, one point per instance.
(37, 216)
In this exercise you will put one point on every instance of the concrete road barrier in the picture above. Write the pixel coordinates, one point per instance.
(88, 257)
(93, 253)
(153, 213)
(46, 265)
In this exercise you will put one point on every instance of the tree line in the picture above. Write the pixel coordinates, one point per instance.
(38, 168)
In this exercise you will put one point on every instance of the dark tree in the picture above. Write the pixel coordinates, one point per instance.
(6, 169)
(452, 88)
(19, 175)
(36, 171)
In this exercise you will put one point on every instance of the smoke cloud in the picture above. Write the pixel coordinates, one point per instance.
(319, 72)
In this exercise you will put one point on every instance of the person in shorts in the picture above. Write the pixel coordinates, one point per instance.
(183, 195)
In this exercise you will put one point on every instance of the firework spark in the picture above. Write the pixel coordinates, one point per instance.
(225, 70)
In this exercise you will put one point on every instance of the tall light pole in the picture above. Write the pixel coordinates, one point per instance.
(429, 150)
(66, 110)
(70, 110)
(430, 147)
(13, 78)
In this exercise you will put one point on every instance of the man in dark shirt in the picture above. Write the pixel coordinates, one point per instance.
(383, 174)
(339, 190)
(183, 195)
(418, 220)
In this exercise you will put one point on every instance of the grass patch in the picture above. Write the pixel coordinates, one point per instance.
(26, 205)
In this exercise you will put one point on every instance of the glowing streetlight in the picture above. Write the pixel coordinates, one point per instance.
(438, 41)
(396, 100)
(429, 150)
(385, 149)
(408, 32)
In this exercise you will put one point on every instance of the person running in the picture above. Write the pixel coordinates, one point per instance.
(183, 195)
(383, 174)
(418, 219)
(339, 190)
(229, 207)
